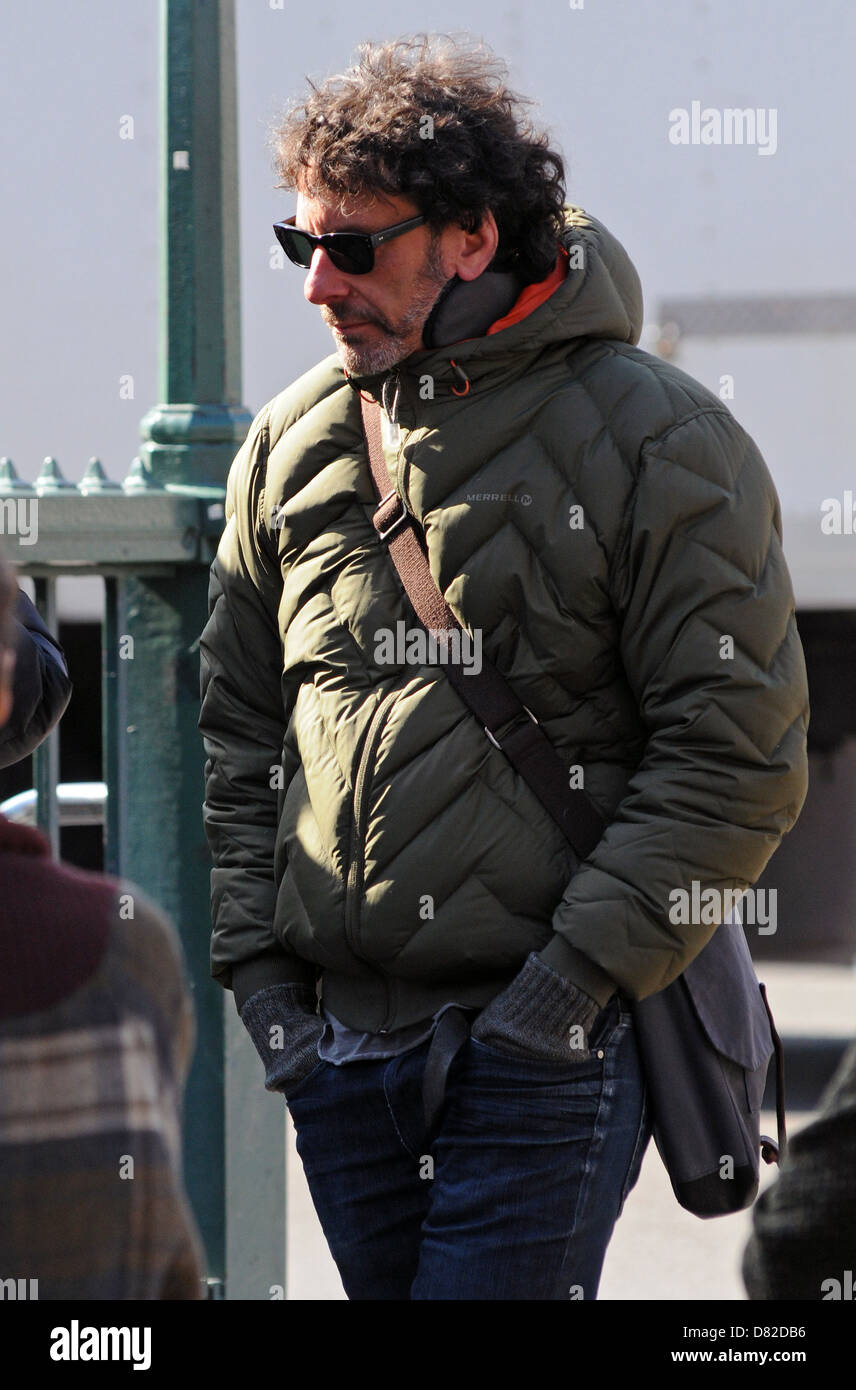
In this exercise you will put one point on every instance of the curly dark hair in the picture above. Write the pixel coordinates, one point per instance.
(431, 117)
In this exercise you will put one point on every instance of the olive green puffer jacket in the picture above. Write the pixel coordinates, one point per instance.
(612, 536)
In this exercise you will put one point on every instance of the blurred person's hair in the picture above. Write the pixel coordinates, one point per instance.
(365, 131)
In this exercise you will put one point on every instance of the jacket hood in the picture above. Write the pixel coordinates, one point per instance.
(601, 297)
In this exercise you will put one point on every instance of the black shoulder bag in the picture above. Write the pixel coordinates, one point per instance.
(706, 1039)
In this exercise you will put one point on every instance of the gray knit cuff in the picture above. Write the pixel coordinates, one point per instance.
(540, 1014)
(285, 1028)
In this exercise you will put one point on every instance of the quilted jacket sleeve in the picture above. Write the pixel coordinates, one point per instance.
(710, 649)
(243, 721)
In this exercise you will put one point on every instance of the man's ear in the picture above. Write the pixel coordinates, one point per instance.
(477, 249)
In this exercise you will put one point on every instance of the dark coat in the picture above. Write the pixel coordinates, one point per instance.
(605, 526)
(803, 1244)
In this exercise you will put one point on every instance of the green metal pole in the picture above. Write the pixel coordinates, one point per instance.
(191, 437)
(189, 440)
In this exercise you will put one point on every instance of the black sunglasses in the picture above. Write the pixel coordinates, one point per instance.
(350, 252)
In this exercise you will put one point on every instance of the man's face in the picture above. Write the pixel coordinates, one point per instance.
(376, 319)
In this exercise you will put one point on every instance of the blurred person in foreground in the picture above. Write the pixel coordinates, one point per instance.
(803, 1242)
(610, 538)
(96, 1035)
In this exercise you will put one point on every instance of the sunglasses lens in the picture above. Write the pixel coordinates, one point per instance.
(354, 255)
(297, 247)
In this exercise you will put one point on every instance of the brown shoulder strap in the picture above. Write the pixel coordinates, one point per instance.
(401, 537)
(506, 720)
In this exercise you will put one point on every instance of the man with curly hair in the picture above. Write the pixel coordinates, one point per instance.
(436, 985)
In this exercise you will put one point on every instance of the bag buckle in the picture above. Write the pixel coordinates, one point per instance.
(770, 1151)
(397, 521)
(518, 721)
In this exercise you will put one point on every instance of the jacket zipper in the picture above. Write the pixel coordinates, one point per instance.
(391, 393)
(356, 868)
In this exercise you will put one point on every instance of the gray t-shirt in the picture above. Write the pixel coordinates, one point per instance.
(339, 1044)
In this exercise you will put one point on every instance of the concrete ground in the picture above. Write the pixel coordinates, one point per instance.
(659, 1251)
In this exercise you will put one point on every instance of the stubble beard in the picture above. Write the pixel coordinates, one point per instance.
(396, 342)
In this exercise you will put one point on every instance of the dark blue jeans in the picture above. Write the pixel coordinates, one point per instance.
(514, 1197)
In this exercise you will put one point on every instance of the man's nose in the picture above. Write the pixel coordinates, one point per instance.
(323, 281)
